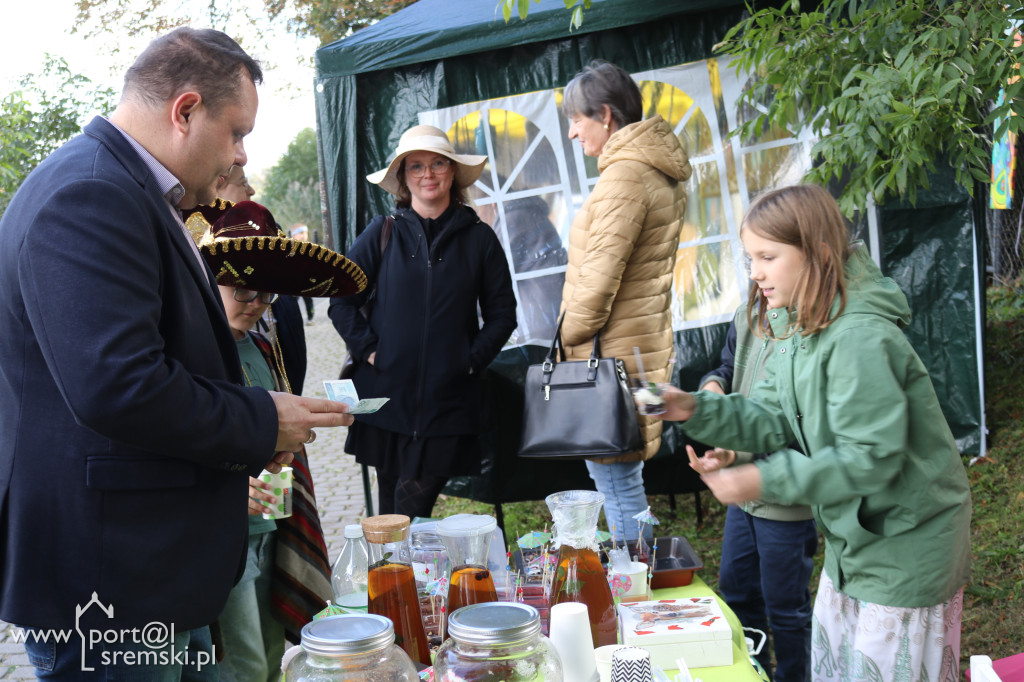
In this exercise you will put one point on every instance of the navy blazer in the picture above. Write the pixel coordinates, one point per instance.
(125, 435)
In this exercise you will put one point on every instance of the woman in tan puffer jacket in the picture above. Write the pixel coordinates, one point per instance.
(622, 248)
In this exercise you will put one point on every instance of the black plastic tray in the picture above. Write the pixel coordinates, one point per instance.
(674, 563)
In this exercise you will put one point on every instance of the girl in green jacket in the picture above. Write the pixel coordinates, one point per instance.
(881, 472)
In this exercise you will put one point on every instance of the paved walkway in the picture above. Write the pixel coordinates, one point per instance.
(339, 487)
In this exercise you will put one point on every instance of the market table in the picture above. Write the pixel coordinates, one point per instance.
(741, 669)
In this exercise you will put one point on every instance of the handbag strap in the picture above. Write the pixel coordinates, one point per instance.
(556, 343)
(385, 237)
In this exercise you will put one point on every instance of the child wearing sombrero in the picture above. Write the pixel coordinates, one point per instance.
(287, 574)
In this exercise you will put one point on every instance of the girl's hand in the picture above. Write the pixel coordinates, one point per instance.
(734, 485)
(679, 405)
(257, 496)
(373, 356)
(713, 460)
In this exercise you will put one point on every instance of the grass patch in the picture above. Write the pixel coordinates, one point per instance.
(993, 619)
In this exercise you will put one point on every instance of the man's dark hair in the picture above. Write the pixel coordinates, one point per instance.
(203, 60)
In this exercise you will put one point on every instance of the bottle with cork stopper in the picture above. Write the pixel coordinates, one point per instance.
(392, 583)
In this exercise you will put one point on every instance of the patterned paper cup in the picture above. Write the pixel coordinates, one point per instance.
(281, 488)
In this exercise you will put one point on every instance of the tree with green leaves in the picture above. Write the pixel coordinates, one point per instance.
(48, 110)
(522, 8)
(889, 87)
(325, 20)
(291, 189)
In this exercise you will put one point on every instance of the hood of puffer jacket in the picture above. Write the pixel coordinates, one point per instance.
(651, 142)
(869, 291)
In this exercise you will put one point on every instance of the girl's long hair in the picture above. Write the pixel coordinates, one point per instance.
(807, 217)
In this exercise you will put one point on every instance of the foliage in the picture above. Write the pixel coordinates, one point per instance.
(325, 20)
(292, 187)
(45, 113)
(522, 8)
(888, 87)
(330, 20)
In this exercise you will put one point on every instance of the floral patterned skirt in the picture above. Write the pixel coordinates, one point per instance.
(854, 640)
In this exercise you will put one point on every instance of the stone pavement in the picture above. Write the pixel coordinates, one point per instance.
(336, 476)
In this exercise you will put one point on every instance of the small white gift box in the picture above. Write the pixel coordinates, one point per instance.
(694, 629)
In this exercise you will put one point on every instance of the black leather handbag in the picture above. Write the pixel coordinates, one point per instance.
(579, 409)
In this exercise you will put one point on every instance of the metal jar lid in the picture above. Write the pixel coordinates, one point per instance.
(494, 623)
(346, 634)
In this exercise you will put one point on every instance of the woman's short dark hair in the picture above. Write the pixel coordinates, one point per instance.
(458, 196)
(601, 83)
(204, 60)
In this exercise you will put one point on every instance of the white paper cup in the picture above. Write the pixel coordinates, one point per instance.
(281, 488)
(603, 657)
(635, 577)
(570, 633)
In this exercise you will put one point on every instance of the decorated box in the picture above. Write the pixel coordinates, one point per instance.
(694, 629)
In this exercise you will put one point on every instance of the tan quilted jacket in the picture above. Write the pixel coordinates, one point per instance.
(622, 248)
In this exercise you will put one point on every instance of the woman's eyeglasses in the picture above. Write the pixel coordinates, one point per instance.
(437, 167)
(248, 296)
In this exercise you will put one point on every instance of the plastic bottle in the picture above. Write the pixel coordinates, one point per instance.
(349, 574)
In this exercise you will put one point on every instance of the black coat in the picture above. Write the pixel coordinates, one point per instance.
(424, 326)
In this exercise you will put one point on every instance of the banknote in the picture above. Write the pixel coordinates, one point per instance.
(344, 391)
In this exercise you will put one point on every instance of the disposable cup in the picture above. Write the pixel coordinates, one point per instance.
(570, 633)
(632, 664)
(603, 657)
(637, 575)
(281, 488)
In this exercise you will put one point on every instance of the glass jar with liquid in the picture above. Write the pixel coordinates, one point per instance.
(392, 584)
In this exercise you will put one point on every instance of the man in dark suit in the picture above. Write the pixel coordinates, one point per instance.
(126, 436)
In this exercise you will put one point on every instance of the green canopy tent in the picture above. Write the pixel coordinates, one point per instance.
(496, 88)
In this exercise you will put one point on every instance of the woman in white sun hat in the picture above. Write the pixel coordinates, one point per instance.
(430, 265)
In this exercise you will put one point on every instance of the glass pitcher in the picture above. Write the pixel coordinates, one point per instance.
(392, 584)
(467, 538)
(579, 575)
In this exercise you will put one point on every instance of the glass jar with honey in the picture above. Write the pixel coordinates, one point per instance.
(392, 584)
(467, 538)
(578, 573)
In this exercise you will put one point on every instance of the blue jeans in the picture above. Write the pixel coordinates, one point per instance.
(253, 639)
(190, 657)
(623, 486)
(764, 578)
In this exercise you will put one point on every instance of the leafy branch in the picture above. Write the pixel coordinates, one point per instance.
(888, 88)
(522, 8)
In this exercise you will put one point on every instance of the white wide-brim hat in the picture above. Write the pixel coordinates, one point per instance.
(428, 139)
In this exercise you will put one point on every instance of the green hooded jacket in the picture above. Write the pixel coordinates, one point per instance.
(882, 472)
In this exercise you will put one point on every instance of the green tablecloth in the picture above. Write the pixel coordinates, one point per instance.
(741, 670)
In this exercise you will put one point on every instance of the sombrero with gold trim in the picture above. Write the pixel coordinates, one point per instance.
(244, 248)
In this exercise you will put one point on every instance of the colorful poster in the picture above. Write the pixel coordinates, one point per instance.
(1003, 163)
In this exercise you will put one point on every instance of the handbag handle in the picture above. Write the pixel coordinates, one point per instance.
(556, 343)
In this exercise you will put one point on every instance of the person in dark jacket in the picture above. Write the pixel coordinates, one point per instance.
(423, 344)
